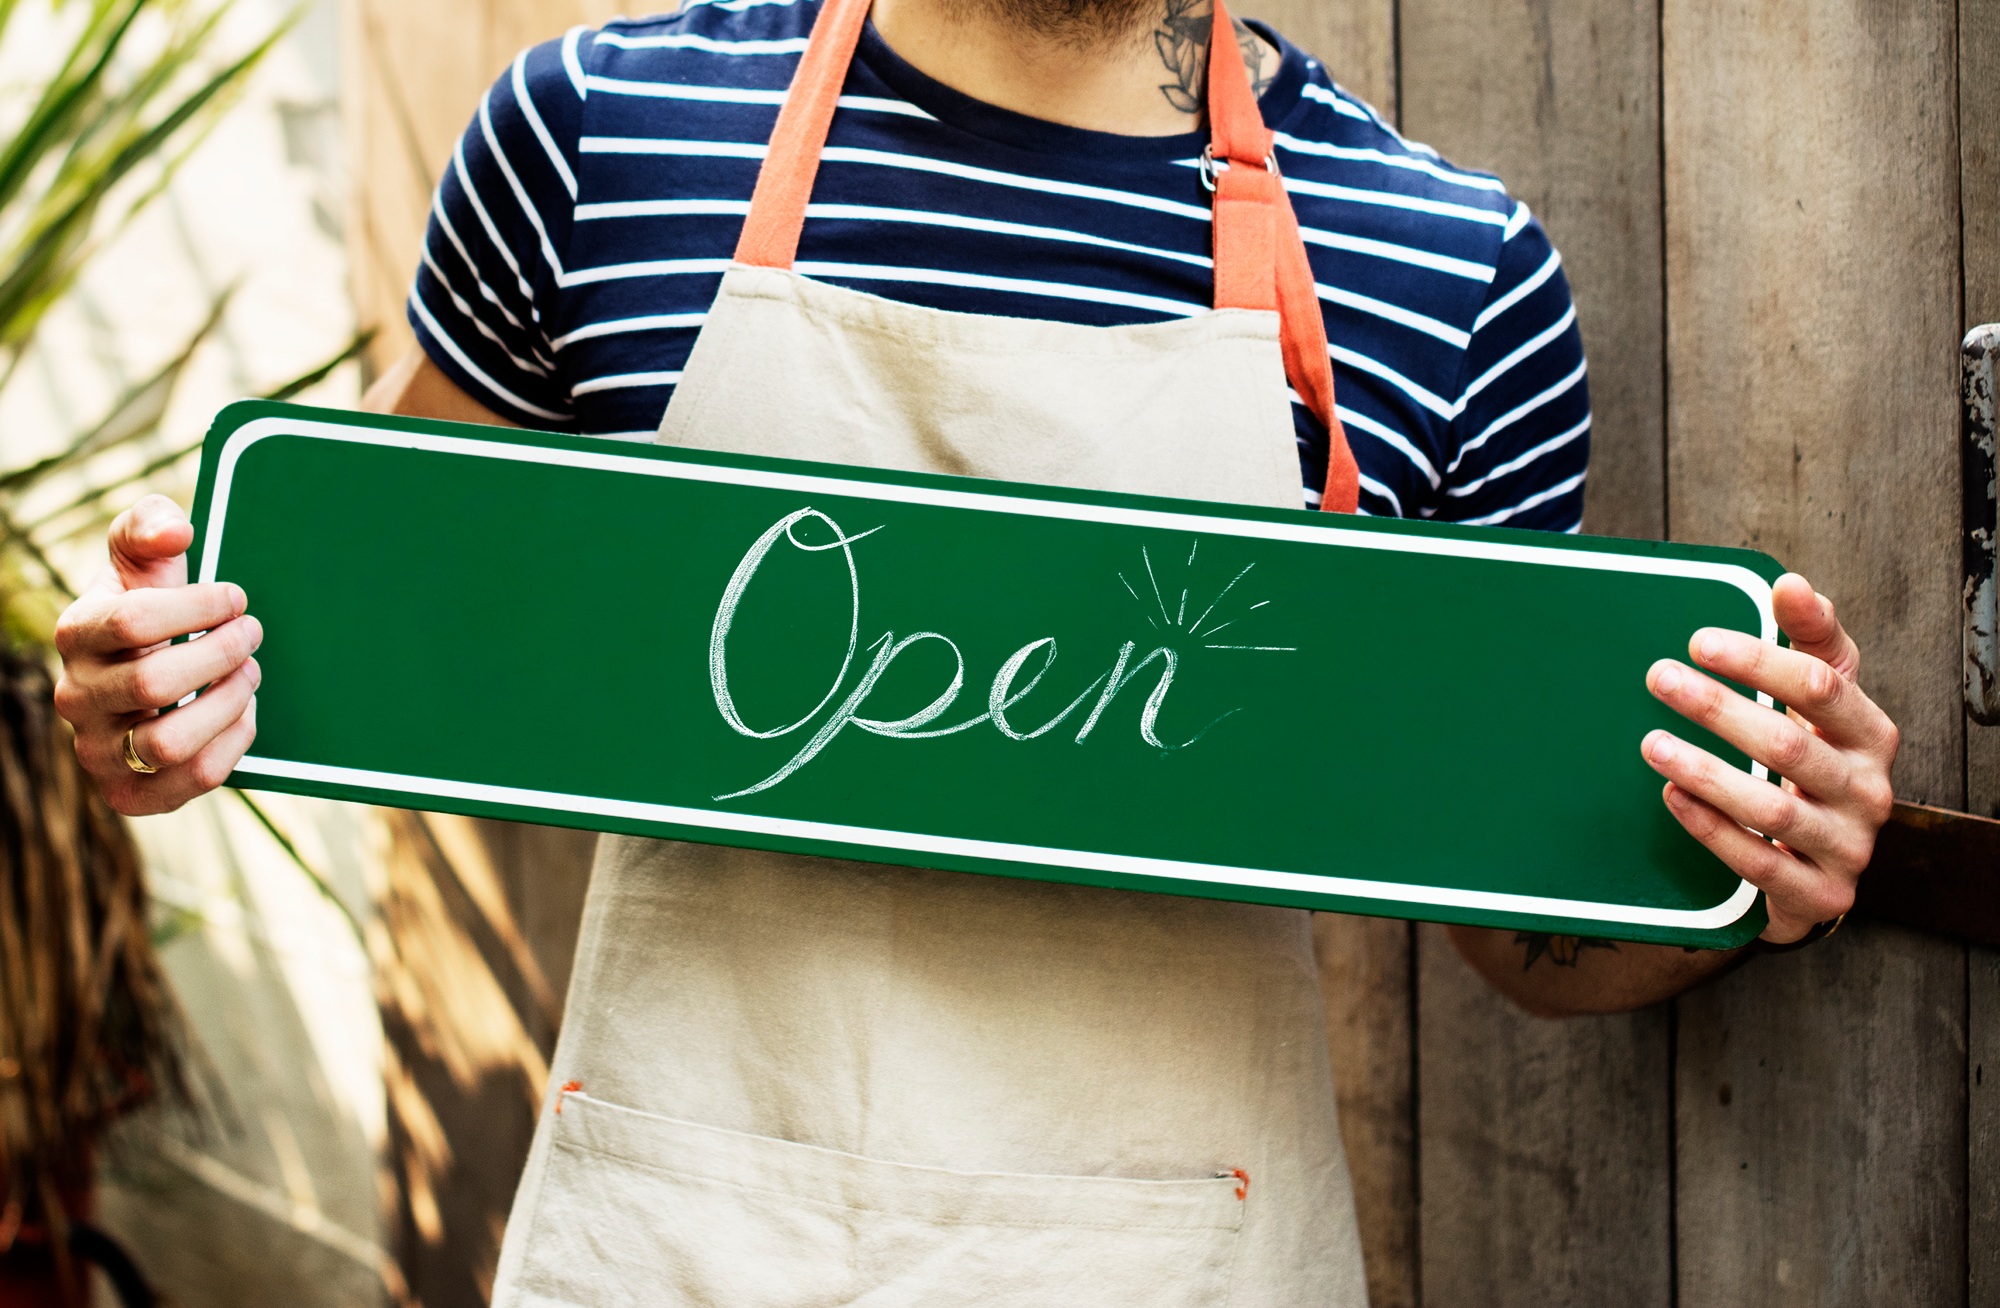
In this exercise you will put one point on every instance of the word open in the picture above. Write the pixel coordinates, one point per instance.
(1008, 688)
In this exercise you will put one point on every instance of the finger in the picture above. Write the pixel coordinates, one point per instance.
(1803, 682)
(149, 543)
(1797, 895)
(166, 676)
(140, 619)
(1765, 808)
(170, 739)
(1808, 618)
(175, 738)
(137, 796)
(1780, 743)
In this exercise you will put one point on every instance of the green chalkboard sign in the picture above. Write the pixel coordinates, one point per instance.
(1344, 713)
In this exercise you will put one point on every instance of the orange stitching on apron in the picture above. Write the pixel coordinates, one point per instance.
(571, 1087)
(1243, 1190)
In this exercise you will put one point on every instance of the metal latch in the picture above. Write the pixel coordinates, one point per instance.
(1982, 622)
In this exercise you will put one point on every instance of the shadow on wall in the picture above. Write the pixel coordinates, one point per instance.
(470, 969)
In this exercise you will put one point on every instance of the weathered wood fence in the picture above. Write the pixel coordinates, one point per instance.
(1778, 217)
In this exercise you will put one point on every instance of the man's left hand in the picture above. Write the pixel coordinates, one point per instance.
(1833, 751)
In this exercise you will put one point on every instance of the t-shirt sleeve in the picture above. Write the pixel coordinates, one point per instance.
(1521, 441)
(491, 260)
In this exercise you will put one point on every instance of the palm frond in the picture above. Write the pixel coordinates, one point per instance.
(134, 414)
(64, 104)
(52, 244)
(311, 874)
(283, 391)
(88, 1025)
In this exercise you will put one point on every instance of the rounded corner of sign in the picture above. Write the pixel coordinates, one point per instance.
(1759, 589)
(237, 414)
(1740, 930)
(255, 428)
(1743, 907)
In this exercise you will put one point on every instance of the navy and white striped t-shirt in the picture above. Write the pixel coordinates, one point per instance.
(581, 231)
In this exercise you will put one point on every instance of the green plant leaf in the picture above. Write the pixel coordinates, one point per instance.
(68, 95)
(55, 239)
(134, 414)
(311, 377)
(312, 875)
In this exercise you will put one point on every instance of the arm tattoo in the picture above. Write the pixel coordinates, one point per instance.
(1563, 951)
(1182, 41)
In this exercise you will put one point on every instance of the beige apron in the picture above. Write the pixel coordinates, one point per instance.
(794, 1081)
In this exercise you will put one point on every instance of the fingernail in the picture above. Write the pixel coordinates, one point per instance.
(255, 670)
(1660, 747)
(238, 599)
(256, 633)
(1708, 646)
(1667, 680)
(1676, 798)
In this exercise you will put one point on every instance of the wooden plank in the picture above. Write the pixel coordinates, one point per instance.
(1355, 39)
(1936, 870)
(1364, 970)
(1982, 1227)
(1560, 98)
(1812, 411)
(413, 77)
(1979, 155)
(1813, 408)
(1821, 1127)
(1979, 184)
(412, 80)
(1544, 1148)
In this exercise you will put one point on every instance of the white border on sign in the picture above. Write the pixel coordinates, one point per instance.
(1752, 585)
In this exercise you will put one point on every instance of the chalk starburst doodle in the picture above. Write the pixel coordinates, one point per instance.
(1228, 609)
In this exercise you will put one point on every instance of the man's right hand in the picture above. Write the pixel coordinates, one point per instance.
(120, 667)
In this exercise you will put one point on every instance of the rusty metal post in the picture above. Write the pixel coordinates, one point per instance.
(1982, 622)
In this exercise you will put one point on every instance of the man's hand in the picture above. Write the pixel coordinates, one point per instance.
(1833, 752)
(120, 667)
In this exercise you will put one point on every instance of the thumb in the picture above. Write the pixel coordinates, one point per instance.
(149, 544)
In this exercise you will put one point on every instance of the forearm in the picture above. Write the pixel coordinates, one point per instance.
(1562, 976)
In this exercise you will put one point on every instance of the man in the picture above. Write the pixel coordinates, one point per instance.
(981, 240)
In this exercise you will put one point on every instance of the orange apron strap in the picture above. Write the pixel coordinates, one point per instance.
(770, 236)
(1260, 261)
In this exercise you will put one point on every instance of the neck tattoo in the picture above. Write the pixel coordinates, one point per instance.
(1182, 41)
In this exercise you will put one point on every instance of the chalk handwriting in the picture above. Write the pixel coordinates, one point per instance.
(1007, 690)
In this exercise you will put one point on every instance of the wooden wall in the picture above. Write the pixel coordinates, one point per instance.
(1979, 214)
(1778, 217)
(1776, 232)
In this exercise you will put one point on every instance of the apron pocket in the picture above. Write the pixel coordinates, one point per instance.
(641, 1209)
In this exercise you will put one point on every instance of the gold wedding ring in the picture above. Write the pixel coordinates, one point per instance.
(132, 759)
